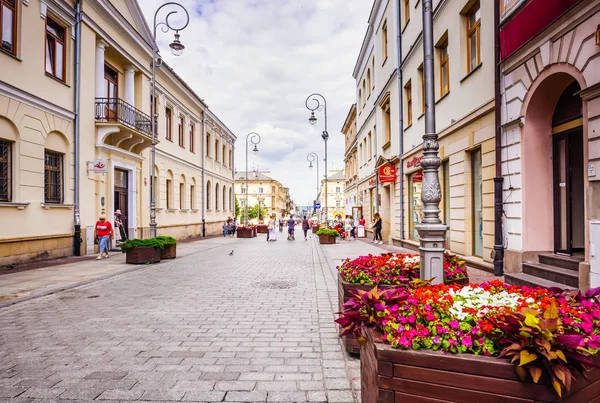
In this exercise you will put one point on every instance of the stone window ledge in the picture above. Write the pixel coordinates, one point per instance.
(57, 206)
(184, 210)
(19, 206)
(171, 210)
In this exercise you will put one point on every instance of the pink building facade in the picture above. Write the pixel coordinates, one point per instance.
(550, 84)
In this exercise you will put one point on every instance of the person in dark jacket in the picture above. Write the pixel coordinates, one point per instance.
(305, 227)
(377, 227)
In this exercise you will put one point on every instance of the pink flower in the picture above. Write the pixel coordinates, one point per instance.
(430, 318)
(467, 342)
(454, 324)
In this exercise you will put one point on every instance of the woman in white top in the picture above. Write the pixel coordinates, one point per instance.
(272, 226)
(349, 223)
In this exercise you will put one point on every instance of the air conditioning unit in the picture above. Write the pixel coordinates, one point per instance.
(594, 254)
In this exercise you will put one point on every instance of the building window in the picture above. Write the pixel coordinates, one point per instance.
(224, 198)
(8, 25)
(208, 144)
(192, 139)
(208, 195)
(387, 123)
(338, 189)
(408, 92)
(224, 154)
(53, 177)
(5, 171)
(369, 81)
(364, 92)
(370, 145)
(169, 194)
(446, 198)
(444, 68)
(422, 84)
(359, 98)
(169, 113)
(338, 204)
(243, 203)
(406, 11)
(217, 150)
(243, 190)
(193, 197)
(474, 36)
(230, 159)
(181, 196)
(180, 128)
(55, 49)
(415, 185)
(217, 197)
(260, 190)
(384, 40)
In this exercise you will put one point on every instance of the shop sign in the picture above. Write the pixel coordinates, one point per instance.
(99, 165)
(597, 35)
(387, 174)
(372, 182)
(418, 177)
(415, 162)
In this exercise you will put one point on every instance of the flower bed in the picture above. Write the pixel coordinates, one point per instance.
(142, 251)
(169, 251)
(262, 228)
(386, 271)
(551, 335)
(327, 236)
(245, 232)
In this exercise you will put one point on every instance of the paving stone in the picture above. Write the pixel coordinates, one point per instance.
(121, 395)
(235, 385)
(81, 394)
(222, 376)
(11, 392)
(204, 396)
(337, 383)
(194, 385)
(107, 375)
(340, 396)
(286, 397)
(163, 395)
(316, 396)
(42, 393)
(256, 376)
(255, 396)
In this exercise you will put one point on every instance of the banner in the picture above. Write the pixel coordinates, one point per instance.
(387, 174)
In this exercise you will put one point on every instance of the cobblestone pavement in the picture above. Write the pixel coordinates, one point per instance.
(253, 326)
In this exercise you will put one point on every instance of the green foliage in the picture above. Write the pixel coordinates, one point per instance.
(134, 243)
(237, 210)
(167, 240)
(330, 232)
(255, 212)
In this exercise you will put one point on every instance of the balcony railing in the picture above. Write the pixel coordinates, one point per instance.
(115, 110)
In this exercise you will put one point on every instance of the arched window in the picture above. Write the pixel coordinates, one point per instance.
(231, 202)
(224, 197)
(217, 196)
(359, 98)
(208, 195)
(364, 92)
(369, 81)
(182, 186)
(9, 136)
(169, 190)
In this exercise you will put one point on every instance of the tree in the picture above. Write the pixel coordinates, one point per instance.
(237, 208)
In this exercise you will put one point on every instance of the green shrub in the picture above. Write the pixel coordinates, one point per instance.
(134, 243)
(330, 232)
(167, 240)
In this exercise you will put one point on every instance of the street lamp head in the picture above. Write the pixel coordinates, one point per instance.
(312, 120)
(310, 165)
(176, 46)
(255, 149)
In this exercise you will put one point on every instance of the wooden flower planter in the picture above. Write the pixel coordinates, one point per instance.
(315, 229)
(169, 252)
(143, 255)
(326, 239)
(245, 232)
(262, 229)
(390, 375)
(345, 290)
(254, 232)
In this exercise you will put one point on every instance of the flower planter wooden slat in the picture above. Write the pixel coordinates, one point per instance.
(326, 239)
(245, 233)
(142, 255)
(393, 375)
(315, 229)
(262, 229)
(169, 252)
(345, 290)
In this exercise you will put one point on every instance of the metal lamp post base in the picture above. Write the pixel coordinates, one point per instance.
(432, 251)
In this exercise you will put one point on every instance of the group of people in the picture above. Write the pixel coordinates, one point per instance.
(104, 233)
(229, 227)
(347, 227)
(290, 222)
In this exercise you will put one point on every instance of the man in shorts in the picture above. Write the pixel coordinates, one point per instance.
(291, 223)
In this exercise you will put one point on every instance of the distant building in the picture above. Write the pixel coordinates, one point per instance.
(262, 190)
(335, 195)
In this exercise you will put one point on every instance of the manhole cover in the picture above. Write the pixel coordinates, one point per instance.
(275, 285)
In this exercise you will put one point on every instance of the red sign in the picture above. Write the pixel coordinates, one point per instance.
(418, 177)
(415, 162)
(387, 174)
(372, 182)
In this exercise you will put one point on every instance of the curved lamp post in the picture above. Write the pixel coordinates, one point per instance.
(177, 49)
(312, 157)
(253, 138)
(313, 103)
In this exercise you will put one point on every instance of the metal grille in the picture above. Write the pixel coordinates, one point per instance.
(53, 177)
(117, 110)
(5, 171)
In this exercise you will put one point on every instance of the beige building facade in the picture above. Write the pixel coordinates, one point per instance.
(263, 190)
(351, 164)
(336, 182)
(38, 143)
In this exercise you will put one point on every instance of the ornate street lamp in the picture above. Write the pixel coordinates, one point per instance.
(312, 157)
(315, 100)
(177, 49)
(253, 138)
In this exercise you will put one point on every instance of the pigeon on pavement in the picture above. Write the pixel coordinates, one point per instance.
(231, 253)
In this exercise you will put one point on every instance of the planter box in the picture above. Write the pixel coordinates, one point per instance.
(326, 239)
(390, 375)
(315, 229)
(262, 229)
(169, 252)
(143, 255)
(254, 232)
(345, 290)
(245, 233)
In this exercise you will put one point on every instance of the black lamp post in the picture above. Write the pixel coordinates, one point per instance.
(315, 100)
(253, 138)
(312, 157)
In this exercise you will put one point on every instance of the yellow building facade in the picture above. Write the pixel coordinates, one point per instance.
(193, 172)
(261, 189)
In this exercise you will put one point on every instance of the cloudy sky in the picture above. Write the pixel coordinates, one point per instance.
(256, 61)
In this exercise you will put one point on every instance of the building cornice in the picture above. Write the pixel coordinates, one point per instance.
(35, 101)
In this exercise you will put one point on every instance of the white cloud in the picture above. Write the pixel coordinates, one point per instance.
(255, 62)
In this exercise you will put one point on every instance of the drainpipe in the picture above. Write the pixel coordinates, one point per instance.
(498, 180)
(203, 184)
(401, 120)
(77, 88)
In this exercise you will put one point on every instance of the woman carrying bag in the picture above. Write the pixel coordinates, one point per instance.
(377, 227)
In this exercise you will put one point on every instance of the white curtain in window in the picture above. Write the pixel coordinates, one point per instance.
(7, 28)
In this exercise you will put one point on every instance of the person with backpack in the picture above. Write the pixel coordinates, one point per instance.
(305, 227)
(291, 223)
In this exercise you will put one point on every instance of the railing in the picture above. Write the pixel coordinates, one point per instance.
(118, 111)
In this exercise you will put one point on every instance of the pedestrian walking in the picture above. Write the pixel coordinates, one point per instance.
(305, 227)
(291, 223)
(231, 228)
(225, 229)
(103, 232)
(281, 224)
(272, 234)
(348, 226)
(122, 235)
(377, 227)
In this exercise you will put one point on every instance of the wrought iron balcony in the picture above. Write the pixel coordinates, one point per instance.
(115, 110)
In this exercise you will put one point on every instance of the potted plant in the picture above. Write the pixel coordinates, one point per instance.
(169, 250)
(243, 231)
(142, 251)
(315, 228)
(262, 228)
(385, 271)
(327, 236)
(490, 342)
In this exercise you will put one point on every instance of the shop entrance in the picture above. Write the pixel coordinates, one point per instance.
(121, 197)
(568, 170)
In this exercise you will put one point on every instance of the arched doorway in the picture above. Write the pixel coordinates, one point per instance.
(568, 172)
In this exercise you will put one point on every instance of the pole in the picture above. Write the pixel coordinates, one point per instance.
(77, 140)
(246, 209)
(401, 122)
(153, 129)
(431, 230)
(325, 135)
(203, 139)
(498, 180)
